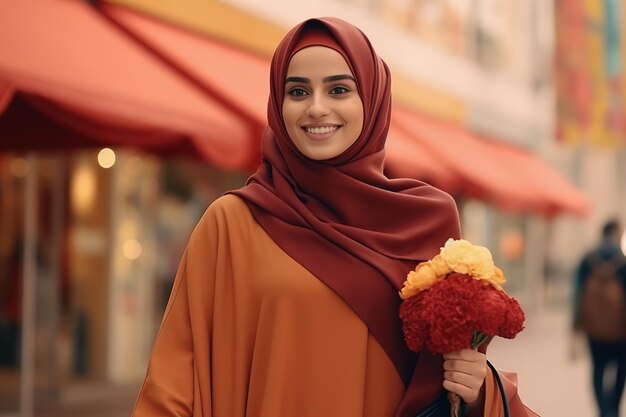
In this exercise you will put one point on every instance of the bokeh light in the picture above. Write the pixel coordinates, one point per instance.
(83, 189)
(132, 249)
(106, 158)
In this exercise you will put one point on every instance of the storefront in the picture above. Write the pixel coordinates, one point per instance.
(83, 296)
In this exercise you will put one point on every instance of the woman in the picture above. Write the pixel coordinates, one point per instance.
(286, 301)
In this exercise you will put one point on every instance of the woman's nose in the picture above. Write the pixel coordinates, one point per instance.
(318, 107)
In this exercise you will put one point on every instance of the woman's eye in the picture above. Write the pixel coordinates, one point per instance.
(297, 92)
(339, 90)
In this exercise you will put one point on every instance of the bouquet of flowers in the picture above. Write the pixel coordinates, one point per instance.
(455, 301)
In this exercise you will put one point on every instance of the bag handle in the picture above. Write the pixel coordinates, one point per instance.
(505, 402)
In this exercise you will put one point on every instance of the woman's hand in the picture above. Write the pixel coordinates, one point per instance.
(464, 374)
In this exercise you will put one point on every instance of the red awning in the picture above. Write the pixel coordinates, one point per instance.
(406, 158)
(508, 177)
(62, 63)
(559, 194)
(108, 75)
(237, 77)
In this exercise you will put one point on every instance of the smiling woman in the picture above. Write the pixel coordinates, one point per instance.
(286, 301)
(322, 109)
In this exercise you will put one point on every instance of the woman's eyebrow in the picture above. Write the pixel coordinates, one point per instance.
(297, 80)
(338, 78)
(328, 79)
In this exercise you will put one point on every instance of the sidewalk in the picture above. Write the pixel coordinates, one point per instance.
(92, 400)
(550, 383)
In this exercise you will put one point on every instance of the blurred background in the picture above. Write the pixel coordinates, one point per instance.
(121, 120)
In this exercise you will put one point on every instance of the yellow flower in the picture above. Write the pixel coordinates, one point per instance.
(456, 256)
(423, 277)
(463, 257)
(498, 278)
(439, 266)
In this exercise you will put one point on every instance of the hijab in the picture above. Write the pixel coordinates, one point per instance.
(356, 230)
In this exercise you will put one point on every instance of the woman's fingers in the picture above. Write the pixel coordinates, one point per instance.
(464, 373)
(469, 395)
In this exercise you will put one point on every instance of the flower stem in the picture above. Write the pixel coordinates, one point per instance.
(478, 338)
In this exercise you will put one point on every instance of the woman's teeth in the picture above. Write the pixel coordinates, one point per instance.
(321, 130)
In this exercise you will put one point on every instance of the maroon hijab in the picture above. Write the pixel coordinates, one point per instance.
(355, 229)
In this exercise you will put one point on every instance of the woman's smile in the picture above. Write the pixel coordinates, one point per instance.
(323, 132)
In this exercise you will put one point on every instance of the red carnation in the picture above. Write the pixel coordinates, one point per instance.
(451, 313)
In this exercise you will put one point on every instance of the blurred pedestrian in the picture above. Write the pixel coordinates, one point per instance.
(286, 301)
(600, 313)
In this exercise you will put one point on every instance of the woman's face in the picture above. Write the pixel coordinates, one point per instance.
(322, 110)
